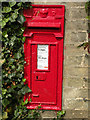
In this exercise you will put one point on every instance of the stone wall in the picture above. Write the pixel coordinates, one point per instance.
(75, 82)
(75, 74)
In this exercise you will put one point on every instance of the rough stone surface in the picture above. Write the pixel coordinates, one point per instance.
(76, 61)
(80, 13)
(75, 36)
(77, 25)
(48, 115)
(75, 71)
(75, 82)
(72, 50)
(78, 37)
(75, 114)
(76, 4)
(73, 13)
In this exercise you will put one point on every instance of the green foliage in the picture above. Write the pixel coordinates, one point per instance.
(60, 114)
(21, 19)
(13, 87)
(87, 6)
(85, 45)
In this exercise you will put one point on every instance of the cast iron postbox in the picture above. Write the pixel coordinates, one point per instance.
(43, 49)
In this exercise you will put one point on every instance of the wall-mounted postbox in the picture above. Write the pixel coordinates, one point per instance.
(43, 51)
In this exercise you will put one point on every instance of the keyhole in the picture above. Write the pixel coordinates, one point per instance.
(37, 77)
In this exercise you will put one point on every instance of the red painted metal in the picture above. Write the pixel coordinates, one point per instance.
(45, 27)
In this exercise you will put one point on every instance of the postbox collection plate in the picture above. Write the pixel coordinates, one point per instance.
(42, 57)
(43, 49)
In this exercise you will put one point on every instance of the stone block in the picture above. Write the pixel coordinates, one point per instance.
(48, 115)
(70, 115)
(78, 37)
(75, 82)
(67, 35)
(73, 60)
(76, 4)
(67, 12)
(76, 115)
(70, 71)
(73, 104)
(76, 61)
(72, 50)
(75, 13)
(76, 25)
(75, 37)
(65, 82)
(56, 3)
(70, 93)
(83, 93)
(78, 13)
(74, 93)
(86, 84)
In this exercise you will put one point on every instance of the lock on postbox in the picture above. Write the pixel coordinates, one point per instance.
(43, 49)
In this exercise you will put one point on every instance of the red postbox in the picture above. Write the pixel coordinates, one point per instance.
(43, 51)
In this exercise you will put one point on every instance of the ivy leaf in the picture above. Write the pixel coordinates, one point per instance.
(11, 60)
(5, 115)
(13, 17)
(11, 89)
(18, 69)
(6, 19)
(6, 9)
(16, 11)
(23, 39)
(22, 29)
(88, 17)
(30, 6)
(17, 55)
(19, 86)
(13, 38)
(13, 66)
(5, 102)
(39, 106)
(61, 113)
(2, 24)
(19, 4)
(4, 34)
(4, 91)
(8, 95)
(26, 101)
(21, 19)
(25, 89)
(12, 3)
(23, 79)
(30, 100)
(80, 45)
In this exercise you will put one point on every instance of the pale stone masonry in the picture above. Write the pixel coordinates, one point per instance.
(75, 82)
(75, 67)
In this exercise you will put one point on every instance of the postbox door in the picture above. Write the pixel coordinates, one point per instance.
(44, 73)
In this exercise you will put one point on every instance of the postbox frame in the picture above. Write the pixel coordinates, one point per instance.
(28, 44)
